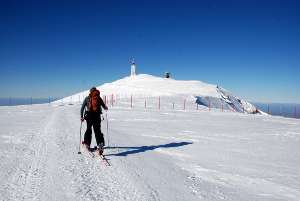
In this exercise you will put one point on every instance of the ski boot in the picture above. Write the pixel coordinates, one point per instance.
(85, 146)
(100, 149)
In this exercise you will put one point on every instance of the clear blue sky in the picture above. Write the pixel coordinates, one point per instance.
(58, 48)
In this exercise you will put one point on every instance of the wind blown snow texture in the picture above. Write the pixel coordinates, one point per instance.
(148, 86)
(155, 155)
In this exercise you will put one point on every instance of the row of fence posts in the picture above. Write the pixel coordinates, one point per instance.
(295, 115)
(113, 100)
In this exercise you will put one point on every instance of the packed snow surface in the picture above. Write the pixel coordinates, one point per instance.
(155, 155)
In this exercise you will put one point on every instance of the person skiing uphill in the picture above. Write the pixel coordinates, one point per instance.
(91, 112)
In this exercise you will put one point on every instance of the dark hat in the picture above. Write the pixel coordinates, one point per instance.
(93, 89)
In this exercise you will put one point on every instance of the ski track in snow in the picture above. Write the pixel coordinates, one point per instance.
(170, 155)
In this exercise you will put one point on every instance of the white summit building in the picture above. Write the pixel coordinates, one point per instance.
(133, 68)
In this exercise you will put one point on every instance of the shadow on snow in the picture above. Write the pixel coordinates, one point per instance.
(136, 150)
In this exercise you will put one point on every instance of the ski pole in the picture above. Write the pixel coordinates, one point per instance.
(107, 129)
(79, 152)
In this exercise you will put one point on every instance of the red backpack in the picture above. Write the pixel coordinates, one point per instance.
(94, 100)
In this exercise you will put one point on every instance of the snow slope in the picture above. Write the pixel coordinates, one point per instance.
(155, 155)
(143, 85)
(151, 86)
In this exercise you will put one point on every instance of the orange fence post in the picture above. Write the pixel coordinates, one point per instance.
(159, 103)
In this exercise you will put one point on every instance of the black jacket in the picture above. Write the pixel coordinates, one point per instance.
(86, 106)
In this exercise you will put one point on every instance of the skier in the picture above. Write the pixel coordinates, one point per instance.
(91, 108)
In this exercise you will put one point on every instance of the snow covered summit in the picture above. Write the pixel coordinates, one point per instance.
(152, 86)
(144, 85)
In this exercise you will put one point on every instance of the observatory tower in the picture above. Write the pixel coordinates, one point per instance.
(133, 67)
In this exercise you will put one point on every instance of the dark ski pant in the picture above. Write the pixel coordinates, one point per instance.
(93, 120)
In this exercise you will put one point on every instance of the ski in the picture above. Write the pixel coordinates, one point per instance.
(91, 153)
(103, 159)
(87, 151)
